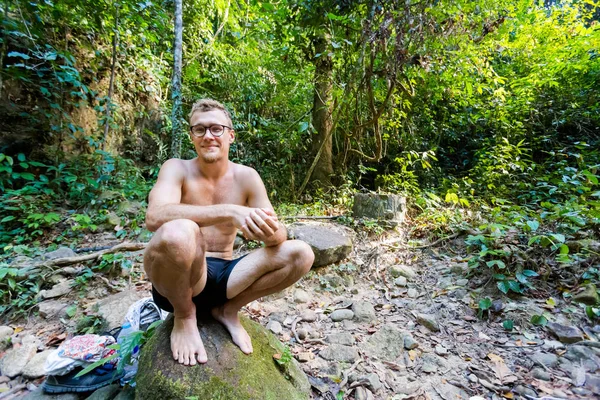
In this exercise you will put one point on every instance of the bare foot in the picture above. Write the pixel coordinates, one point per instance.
(186, 343)
(232, 322)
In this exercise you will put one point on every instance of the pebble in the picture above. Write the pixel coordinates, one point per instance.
(525, 391)
(363, 311)
(275, 327)
(344, 338)
(581, 391)
(403, 270)
(473, 378)
(462, 282)
(308, 316)
(566, 334)
(35, 367)
(412, 293)
(429, 321)
(340, 315)
(302, 334)
(410, 342)
(546, 359)
(61, 252)
(539, 373)
(305, 356)
(552, 345)
(401, 281)
(301, 296)
(560, 394)
(5, 333)
(372, 382)
(441, 350)
(58, 290)
(339, 353)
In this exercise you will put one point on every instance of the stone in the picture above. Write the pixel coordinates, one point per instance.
(539, 373)
(401, 281)
(342, 314)
(302, 334)
(5, 333)
(592, 382)
(58, 290)
(114, 308)
(363, 311)
(332, 280)
(410, 342)
(328, 245)
(371, 381)
(387, 343)
(403, 270)
(21, 262)
(441, 350)
(128, 393)
(61, 252)
(462, 282)
(305, 356)
(344, 338)
(275, 327)
(566, 334)
(473, 378)
(429, 321)
(35, 367)
(412, 293)
(581, 391)
(339, 353)
(449, 391)
(301, 296)
(105, 393)
(524, 391)
(588, 296)
(308, 316)
(389, 207)
(430, 363)
(583, 355)
(52, 308)
(14, 361)
(229, 373)
(39, 394)
(545, 359)
(552, 345)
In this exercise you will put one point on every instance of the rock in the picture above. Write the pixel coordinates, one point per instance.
(21, 262)
(344, 338)
(308, 316)
(566, 334)
(462, 282)
(371, 381)
(581, 391)
(387, 343)
(545, 359)
(128, 393)
(39, 394)
(429, 321)
(275, 327)
(589, 296)
(583, 355)
(35, 367)
(539, 373)
(52, 308)
(410, 342)
(339, 353)
(360, 393)
(105, 393)
(301, 296)
(412, 293)
(14, 361)
(524, 391)
(229, 373)
(440, 350)
(58, 290)
(302, 334)
(403, 270)
(328, 245)
(400, 281)
(473, 378)
(114, 308)
(592, 382)
(331, 280)
(5, 333)
(497, 306)
(444, 282)
(305, 356)
(449, 391)
(61, 252)
(363, 311)
(389, 207)
(342, 314)
(552, 345)
(430, 363)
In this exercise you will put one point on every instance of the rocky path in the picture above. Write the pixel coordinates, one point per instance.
(382, 324)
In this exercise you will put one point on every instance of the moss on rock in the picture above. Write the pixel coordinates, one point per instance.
(229, 373)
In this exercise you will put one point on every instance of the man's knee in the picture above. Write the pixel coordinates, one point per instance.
(179, 240)
(301, 256)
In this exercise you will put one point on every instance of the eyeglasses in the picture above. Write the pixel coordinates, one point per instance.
(216, 130)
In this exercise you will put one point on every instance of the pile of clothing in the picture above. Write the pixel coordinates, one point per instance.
(80, 352)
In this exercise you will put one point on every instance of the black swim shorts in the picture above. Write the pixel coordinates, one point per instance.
(215, 291)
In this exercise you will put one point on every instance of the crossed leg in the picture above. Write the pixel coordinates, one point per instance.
(175, 263)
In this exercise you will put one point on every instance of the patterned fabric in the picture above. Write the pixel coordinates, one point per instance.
(90, 348)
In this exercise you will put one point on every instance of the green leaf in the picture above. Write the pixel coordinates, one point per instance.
(559, 237)
(71, 310)
(21, 157)
(499, 277)
(515, 286)
(539, 320)
(498, 263)
(533, 225)
(9, 218)
(503, 286)
(564, 249)
(485, 304)
(97, 364)
(20, 55)
(508, 324)
(528, 273)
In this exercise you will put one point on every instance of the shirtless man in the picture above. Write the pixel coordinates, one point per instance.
(196, 209)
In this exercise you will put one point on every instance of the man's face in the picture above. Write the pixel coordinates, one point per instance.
(210, 148)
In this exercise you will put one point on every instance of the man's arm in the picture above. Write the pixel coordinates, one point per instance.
(262, 224)
(164, 202)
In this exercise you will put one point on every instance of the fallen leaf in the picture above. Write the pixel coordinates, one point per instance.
(277, 356)
(483, 336)
(518, 342)
(500, 369)
(412, 355)
(18, 329)
(508, 395)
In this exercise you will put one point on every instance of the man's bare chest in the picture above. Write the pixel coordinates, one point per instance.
(203, 193)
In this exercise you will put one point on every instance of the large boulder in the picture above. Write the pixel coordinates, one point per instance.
(229, 373)
(389, 207)
(114, 308)
(330, 244)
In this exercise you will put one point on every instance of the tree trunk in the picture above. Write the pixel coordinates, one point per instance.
(176, 115)
(321, 114)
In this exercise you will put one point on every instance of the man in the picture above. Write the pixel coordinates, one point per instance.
(196, 209)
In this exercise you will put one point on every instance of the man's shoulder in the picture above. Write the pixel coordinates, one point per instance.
(243, 172)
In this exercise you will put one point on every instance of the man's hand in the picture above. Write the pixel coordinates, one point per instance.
(256, 223)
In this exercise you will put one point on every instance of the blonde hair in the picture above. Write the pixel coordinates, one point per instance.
(204, 105)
